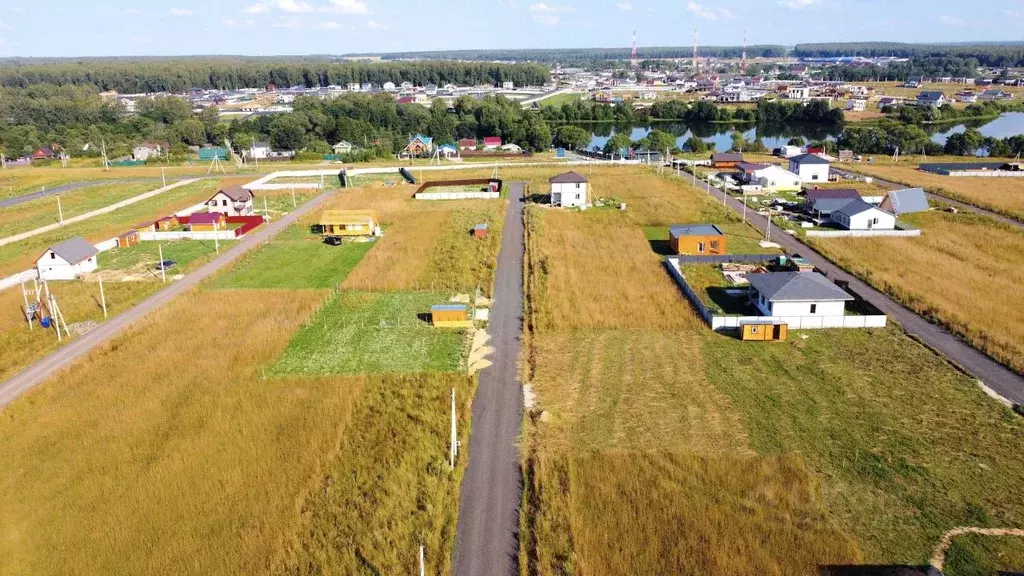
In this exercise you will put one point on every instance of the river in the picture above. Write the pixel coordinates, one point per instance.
(720, 135)
(1006, 125)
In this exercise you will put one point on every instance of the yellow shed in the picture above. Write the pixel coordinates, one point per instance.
(450, 315)
(349, 223)
(763, 331)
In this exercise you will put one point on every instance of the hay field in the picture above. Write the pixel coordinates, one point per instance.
(426, 244)
(1002, 195)
(894, 88)
(666, 449)
(962, 272)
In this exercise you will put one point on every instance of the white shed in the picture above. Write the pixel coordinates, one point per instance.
(569, 190)
(797, 294)
(859, 215)
(67, 260)
(809, 167)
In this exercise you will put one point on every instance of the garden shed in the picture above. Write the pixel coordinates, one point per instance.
(449, 315)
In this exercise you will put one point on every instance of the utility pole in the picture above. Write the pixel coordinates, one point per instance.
(423, 566)
(293, 197)
(266, 213)
(768, 229)
(28, 311)
(60, 211)
(163, 268)
(454, 449)
(216, 243)
(163, 176)
(744, 206)
(103, 297)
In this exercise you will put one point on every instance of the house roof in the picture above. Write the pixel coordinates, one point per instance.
(694, 230)
(930, 95)
(854, 207)
(343, 144)
(468, 142)
(727, 157)
(448, 308)
(205, 218)
(261, 145)
(808, 159)
(955, 166)
(821, 193)
(752, 167)
(422, 138)
(568, 178)
(236, 193)
(796, 287)
(492, 139)
(908, 200)
(341, 217)
(74, 250)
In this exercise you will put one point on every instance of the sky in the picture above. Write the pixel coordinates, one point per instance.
(294, 27)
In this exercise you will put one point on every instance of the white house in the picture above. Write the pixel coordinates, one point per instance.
(388, 87)
(67, 260)
(258, 151)
(147, 150)
(770, 177)
(859, 215)
(798, 93)
(809, 167)
(856, 105)
(569, 190)
(797, 294)
(232, 201)
(343, 147)
(508, 85)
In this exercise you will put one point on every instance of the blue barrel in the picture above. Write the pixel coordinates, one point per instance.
(45, 322)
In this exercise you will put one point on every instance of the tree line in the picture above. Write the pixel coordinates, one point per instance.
(927, 67)
(582, 55)
(181, 75)
(996, 55)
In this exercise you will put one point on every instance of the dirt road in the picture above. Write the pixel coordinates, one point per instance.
(993, 374)
(486, 539)
(65, 356)
(14, 201)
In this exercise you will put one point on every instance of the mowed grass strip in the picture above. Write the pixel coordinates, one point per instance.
(294, 260)
(43, 211)
(166, 451)
(904, 446)
(964, 272)
(371, 333)
(388, 488)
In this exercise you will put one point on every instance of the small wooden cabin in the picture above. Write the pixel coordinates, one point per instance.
(480, 230)
(128, 239)
(726, 160)
(349, 223)
(208, 222)
(763, 331)
(698, 239)
(449, 315)
(166, 223)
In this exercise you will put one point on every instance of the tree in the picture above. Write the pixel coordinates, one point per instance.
(288, 131)
(796, 141)
(696, 145)
(191, 132)
(572, 137)
(538, 134)
(965, 143)
(660, 141)
(165, 109)
(738, 142)
(617, 143)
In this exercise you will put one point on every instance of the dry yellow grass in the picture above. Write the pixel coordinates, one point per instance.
(166, 452)
(895, 88)
(964, 271)
(426, 244)
(1003, 195)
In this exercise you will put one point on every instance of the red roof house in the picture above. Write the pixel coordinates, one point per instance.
(468, 144)
(491, 142)
(44, 153)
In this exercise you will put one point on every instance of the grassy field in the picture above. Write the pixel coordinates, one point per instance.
(561, 99)
(895, 89)
(656, 446)
(960, 273)
(43, 211)
(974, 555)
(21, 255)
(372, 333)
(426, 244)
(202, 452)
(1002, 195)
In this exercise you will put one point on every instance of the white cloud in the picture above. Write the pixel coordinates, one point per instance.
(180, 12)
(3, 41)
(329, 25)
(796, 4)
(375, 26)
(229, 22)
(624, 6)
(133, 12)
(1013, 13)
(953, 21)
(140, 40)
(4, 26)
(250, 22)
(303, 7)
(701, 12)
(546, 9)
(725, 13)
(292, 22)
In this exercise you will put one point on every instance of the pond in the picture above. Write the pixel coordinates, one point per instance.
(1006, 125)
(720, 135)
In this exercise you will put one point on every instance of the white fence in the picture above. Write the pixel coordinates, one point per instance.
(794, 322)
(986, 174)
(457, 195)
(860, 233)
(17, 279)
(160, 236)
(107, 245)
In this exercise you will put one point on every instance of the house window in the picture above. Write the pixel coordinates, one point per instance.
(577, 196)
(700, 247)
(577, 185)
(223, 202)
(753, 329)
(814, 308)
(53, 255)
(714, 244)
(814, 176)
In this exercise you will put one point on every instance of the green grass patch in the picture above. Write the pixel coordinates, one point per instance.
(561, 99)
(977, 555)
(371, 333)
(296, 259)
(715, 291)
(147, 255)
(740, 239)
(388, 179)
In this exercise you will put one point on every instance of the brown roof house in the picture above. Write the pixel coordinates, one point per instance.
(232, 201)
(569, 190)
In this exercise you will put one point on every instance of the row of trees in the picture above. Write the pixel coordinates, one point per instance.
(889, 135)
(582, 55)
(911, 114)
(927, 67)
(700, 112)
(180, 75)
(990, 55)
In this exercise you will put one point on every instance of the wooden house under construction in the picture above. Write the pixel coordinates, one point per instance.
(338, 225)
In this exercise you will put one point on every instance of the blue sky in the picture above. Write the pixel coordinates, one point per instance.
(267, 27)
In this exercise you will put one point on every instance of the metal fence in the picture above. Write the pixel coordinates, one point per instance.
(724, 258)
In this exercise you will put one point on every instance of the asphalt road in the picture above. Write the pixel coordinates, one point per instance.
(959, 205)
(993, 374)
(14, 201)
(65, 356)
(486, 539)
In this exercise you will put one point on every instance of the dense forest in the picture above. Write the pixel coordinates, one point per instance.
(995, 55)
(574, 56)
(927, 67)
(179, 75)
